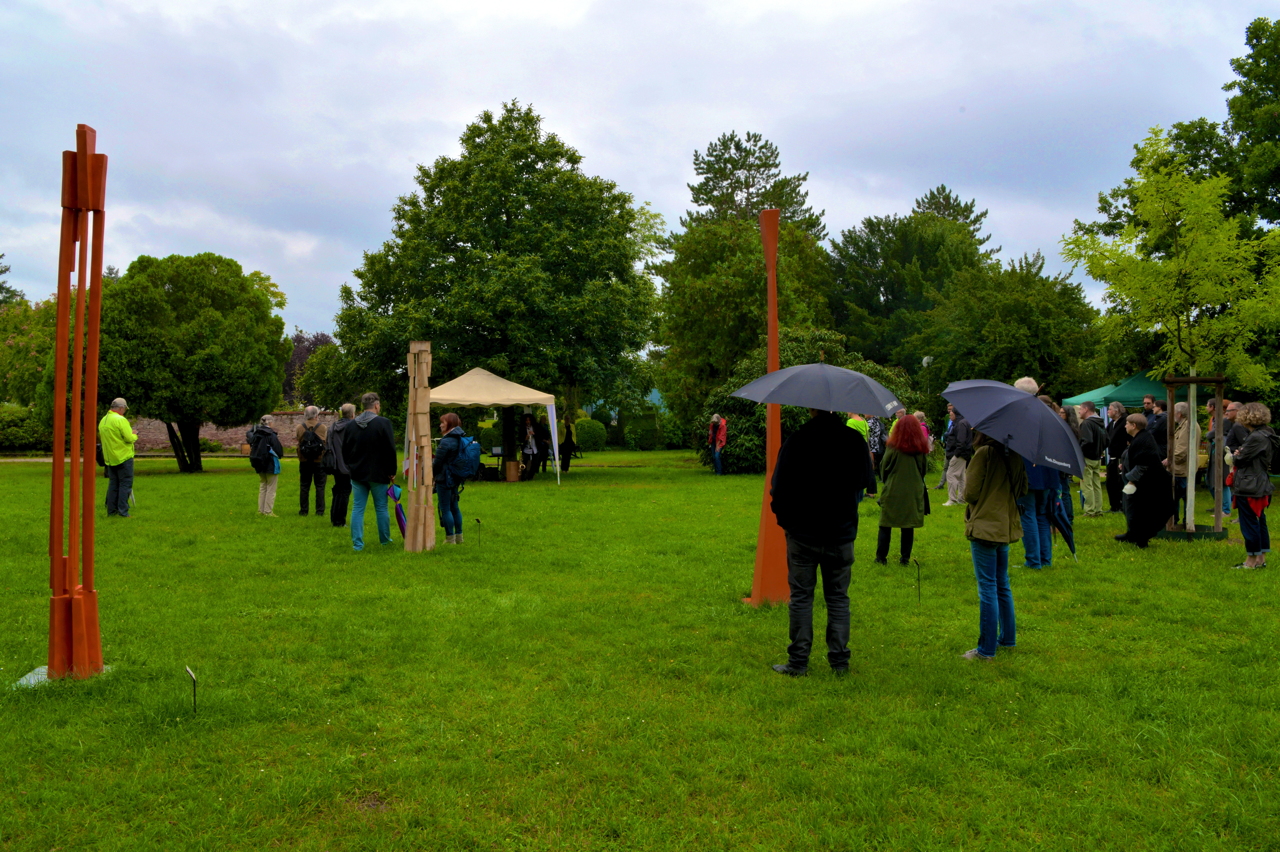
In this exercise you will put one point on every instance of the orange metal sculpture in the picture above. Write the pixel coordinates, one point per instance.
(75, 646)
(770, 582)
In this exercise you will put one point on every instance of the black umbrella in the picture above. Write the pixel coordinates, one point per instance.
(1018, 420)
(824, 387)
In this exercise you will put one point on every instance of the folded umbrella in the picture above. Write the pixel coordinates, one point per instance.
(1018, 420)
(1059, 521)
(824, 387)
(393, 491)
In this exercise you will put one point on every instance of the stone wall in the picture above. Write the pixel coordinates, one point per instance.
(153, 437)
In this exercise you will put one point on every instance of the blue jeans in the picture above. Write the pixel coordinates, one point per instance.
(715, 458)
(1254, 529)
(361, 492)
(450, 514)
(996, 626)
(804, 560)
(1037, 536)
(1065, 494)
(1226, 499)
(119, 487)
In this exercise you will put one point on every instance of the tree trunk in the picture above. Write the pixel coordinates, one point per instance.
(510, 443)
(571, 395)
(190, 430)
(176, 443)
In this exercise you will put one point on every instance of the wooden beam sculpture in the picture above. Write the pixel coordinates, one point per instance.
(770, 581)
(420, 527)
(75, 644)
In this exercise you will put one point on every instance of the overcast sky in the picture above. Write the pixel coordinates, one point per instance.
(281, 133)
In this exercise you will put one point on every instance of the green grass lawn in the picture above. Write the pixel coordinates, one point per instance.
(581, 674)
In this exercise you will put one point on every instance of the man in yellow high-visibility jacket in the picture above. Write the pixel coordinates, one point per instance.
(117, 438)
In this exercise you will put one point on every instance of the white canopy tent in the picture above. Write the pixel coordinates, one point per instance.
(479, 388)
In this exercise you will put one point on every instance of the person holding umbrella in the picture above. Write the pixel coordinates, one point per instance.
(902, 500)
(994, 482)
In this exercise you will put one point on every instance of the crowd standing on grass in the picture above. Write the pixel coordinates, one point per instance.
(265, 452)
(369, 450)
(117, 438)
(310, 435)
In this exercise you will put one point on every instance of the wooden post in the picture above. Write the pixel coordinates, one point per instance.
(1219, 457)
(770, 580)
(420, 522)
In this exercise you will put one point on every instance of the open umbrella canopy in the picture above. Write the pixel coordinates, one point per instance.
(824, 387)
(1018, 420)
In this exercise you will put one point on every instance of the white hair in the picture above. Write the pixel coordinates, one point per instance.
(267, 420)
(1028, 384)
(311, 412)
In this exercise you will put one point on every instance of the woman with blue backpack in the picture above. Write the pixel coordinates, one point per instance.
(264, 454)
(448, 484)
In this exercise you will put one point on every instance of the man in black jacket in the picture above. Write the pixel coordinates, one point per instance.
(1093, 443)
(820, 470)
(1158, 426)
(1117, 443)
(369, 450)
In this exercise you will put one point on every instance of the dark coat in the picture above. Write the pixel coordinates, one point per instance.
(959, 441)
(369, 448)
(903, 493)
(333, 460)
(820, 469)
(1117, 438)
(262, 462)
(1158, 426)
(446, 451)
(1253, 464)
(1149, 508)
(1093, 437)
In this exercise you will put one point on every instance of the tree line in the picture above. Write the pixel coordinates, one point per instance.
(511, 257)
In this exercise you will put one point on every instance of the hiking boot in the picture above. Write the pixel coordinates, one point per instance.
(790, 671)
(457, 539)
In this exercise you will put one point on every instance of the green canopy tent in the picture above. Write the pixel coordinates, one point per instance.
(1096, 396)
(1130, 392)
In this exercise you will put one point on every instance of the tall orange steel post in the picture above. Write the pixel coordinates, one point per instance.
(770, 582)
(75, 644)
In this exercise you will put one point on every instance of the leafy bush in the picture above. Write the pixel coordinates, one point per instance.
(642, 432)
(22, 431)
(490, 438)
(674, 435)
(207, 446)
(591, 435)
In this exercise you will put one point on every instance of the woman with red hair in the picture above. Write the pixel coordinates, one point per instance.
(902, 497)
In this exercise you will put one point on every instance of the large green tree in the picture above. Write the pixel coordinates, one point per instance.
(1004, 322)
(889, 271)
(714, 304)
(740, 176)
(26, 339)
(190, 340)
(1182, 267)
(507, 257)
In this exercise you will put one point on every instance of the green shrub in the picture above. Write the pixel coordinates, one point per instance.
(591, 435)
(490, 438)
(642, 432)
(673, 434)
(22, 431)
(207, 446)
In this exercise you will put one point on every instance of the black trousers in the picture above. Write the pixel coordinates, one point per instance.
(311, 472)
(1115, 486)
(804, 561)
(341, 499)
(884, 537)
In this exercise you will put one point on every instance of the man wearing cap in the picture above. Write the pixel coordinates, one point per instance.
(117, 438)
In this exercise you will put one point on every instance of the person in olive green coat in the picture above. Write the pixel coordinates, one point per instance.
(994, 481)
(902, 499)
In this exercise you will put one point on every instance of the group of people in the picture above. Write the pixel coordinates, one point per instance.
(826, 466)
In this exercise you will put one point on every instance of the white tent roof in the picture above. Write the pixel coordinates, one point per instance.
(480, 388)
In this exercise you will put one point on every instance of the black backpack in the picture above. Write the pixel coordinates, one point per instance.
(310, 447)
(259, 449)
